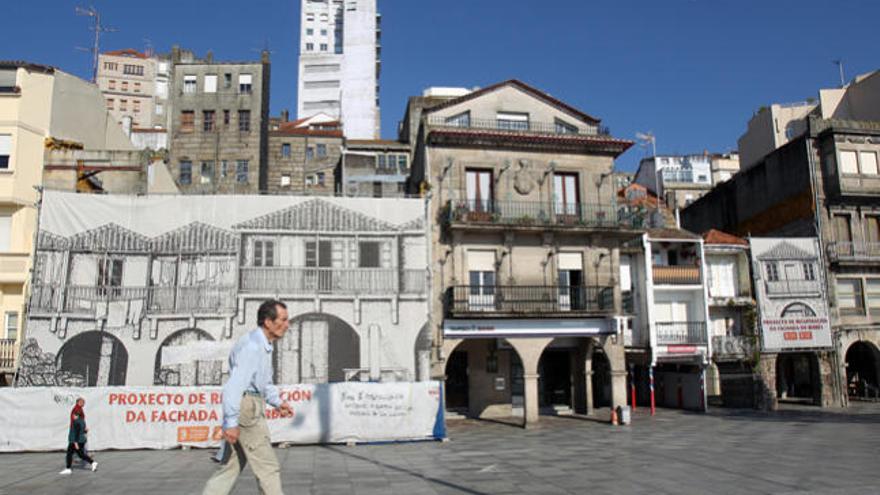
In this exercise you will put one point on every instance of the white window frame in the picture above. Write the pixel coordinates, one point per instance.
(245, 83)
(210, 83)
(190, 84)
(6, 151)
(6, 325)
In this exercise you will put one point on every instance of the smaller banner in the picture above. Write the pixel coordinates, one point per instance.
(37, 419)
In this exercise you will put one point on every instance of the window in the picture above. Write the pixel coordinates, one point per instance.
(381, 162)
(111, 66)
(461, 120)
(872, 290)
(133, 70)
(244, 83)
(189, 84)
(512, 121)
(310, 180)
(872, 231)
(244, 120)
(5, 150)
(772, 271)
(310, 47)
(226, 117)
(241, 171)
(310, 31)
(264, 253)
(227, 80)
(123, 105)
(322, 149)
(124, 85)
(224, 169)
(109, 103)
(310, 152)
(565, 128)
(479, 189)
(109, 275)
(112, 84)
(868, 163)
(137, 87)
(319, 253)
(323, 47)
(12, 325)
(207, 172)
(5, 232)
(208, 120)
(285, 180)
(185, 176)
(285, 150)
(162, 89)
(368, 254)
(842, 231)
(848, 162)
(809, 272)
(402, 163)
(320, 177)
(849, 296)
(160, 109)
(187, 121)
(136, 106)
(323, 32)
(211, 83)
(566, 192)
(310, 17)
(377, 189)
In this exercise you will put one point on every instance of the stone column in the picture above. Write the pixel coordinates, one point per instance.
(531, 399)
(618, 387)
(588, 378)
(529, 350)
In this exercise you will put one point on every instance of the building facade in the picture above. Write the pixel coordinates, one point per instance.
(218, 135)
(526, 305)
(303, 155)
(128, 80)
(373, 168)
(39, 106)
(129, 292)
(339, 64)
(677, 180)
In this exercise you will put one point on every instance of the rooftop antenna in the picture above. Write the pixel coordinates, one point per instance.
(839, 64)
(98, 28)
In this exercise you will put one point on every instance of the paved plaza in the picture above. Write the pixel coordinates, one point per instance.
(799, 450)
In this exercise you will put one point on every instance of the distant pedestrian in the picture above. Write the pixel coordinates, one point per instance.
(76, 439)
(244, 405)
(78, 409)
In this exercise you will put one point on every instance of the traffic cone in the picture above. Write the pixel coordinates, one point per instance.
(614, 420)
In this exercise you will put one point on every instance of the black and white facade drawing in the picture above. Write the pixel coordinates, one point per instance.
(155, 290)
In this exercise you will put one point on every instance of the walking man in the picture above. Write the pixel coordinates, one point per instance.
(244, 404)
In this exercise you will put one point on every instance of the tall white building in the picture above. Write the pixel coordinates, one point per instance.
(339, 64)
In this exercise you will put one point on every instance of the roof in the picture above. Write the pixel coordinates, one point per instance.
(23, 64)
(525, 88)
(375, 143)
(671, 233)
(126, 52)
(786, 251)
(316, 215)
(576, 140)
(714, 236)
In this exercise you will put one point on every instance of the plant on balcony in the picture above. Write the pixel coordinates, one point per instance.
(479, 216)
(459, 212)
(525, 220)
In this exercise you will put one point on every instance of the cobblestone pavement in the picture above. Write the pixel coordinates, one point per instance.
(801, 450)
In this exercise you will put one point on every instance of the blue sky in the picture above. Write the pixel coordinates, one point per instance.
(691, 71)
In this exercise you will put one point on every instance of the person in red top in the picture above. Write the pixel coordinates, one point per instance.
(78, 411)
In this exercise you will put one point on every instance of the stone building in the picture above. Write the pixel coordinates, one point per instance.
(373, 168)
(823, 184)
(303, 155)
(127, 78)
(219, 135)
(525, 253)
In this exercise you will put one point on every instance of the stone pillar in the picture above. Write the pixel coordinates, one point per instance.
(529, 350)
(617, 360)
(588, 378)
(531, 399)
(615, 280)
(618, 387)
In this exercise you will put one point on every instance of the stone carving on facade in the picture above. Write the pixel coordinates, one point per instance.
(524, 180)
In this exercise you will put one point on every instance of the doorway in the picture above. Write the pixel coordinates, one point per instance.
(457, 382)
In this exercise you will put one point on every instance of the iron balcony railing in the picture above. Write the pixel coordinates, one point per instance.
(49, 298)
(792, 287)
(191, 298)
(530, 299)
(681, 332)
(676, 275)
(320, 280)
(519, 126)
(733, 346)
(8, 350)
(536, 213)
(854, 251)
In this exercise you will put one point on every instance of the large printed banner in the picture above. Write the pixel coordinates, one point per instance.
(37, 418)
(791, 293)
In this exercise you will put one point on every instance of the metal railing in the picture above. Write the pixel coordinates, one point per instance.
(854, 251)
(684, 332)
(536, 213)
(191, 298)
(676, 275)
(686, 176)
(310, 280)
(734, 346)
(8, 351)
(86, 299)
(532, 299)
(519, 126)
(792, 287)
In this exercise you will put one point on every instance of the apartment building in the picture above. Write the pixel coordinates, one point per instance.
(219, 135)
(40, 106)
(303, 155)
(526, 307)
(681, 180)
(373, 168)
(339, 64)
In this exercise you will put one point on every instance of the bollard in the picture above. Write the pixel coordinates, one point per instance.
(614, 421)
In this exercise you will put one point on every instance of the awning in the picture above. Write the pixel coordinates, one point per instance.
(573, 327)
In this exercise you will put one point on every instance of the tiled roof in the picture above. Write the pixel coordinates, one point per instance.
(196, 237)
(316, 215)
(714, 236)
(126, 52)
(618, 145)
(671, 233)
(786, 251)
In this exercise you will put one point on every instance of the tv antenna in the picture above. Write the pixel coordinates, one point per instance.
(98, 28)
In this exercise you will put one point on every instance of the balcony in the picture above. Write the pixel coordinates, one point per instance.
(681, 333)
(349, 281)
(677, 176)
(191, 298)
(857, 184)
(13, 267)
(677, 275)
(733, 347)
(843, 252)
(529, 300)
(8, 351)
(792, 287)
(77, 299)
(530, 214)
(524, 126)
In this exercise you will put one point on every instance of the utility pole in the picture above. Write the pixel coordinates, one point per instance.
(98, 28)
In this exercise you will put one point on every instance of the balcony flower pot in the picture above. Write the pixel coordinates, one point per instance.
(479, 216)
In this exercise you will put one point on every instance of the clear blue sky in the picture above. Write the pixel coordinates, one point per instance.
(691, 71)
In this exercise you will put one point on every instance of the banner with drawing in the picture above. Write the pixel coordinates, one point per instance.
(37, 418)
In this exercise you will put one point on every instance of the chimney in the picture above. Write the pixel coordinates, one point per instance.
(175, 54)
(285, 115)
(264, 57)
(209, 57)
